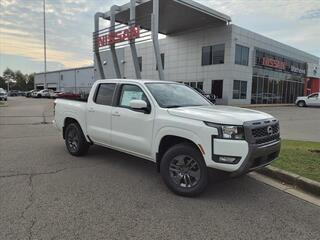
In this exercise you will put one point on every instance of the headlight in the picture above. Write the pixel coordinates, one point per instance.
(233, 132)
(228, 131)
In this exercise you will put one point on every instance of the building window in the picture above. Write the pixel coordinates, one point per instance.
(239, 89)
(212, 55)
(140, 63)
(162, 61)
(198, 85)
(206, 56)
(217, 88)
(242, 55)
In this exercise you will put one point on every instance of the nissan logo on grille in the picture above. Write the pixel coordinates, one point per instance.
(270, 130)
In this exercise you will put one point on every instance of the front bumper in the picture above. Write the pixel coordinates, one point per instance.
(259, 156)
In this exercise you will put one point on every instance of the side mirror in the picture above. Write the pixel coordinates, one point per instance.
(138, 104)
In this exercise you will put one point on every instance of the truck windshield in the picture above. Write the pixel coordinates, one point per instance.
(172, 95)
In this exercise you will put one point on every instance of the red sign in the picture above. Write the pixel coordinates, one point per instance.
(270, 62)
(112, 38)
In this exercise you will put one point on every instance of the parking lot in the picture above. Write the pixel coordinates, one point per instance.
(45, 193)
(297, 123)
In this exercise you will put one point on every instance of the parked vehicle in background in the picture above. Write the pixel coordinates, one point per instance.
(265, 98)
(53, 94)
(3, 95)
(29, 93)
(209, 96)
(310, 100)
(172, 125)
(42, 93)
(13, 93)
(68, 95)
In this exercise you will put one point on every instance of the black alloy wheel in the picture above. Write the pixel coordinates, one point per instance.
(75, 141)
(184, 170)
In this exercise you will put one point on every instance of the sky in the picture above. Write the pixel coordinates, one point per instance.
(69, 26)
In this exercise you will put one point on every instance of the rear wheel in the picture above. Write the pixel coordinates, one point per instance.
(183, 170)
(301, 104)
(75, 141)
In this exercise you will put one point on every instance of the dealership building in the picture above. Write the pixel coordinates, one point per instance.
(199, 47)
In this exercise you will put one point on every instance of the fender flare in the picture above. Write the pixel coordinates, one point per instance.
(173, 131)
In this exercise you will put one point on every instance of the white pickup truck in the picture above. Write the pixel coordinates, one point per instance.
(172, 125)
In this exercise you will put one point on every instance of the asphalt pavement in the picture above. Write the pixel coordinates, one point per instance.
(297, 123)
(45, 193)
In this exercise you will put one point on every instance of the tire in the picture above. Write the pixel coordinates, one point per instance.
(189, 179)
(301, 104)
(38, 96)
(75, 141)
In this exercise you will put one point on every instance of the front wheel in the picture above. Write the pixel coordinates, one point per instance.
(183, 170)
(301, 104)
(75, 141)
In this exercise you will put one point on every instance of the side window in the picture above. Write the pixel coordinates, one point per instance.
(131, 92)
(105, 93)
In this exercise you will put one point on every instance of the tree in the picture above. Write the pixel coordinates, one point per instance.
(3, 83)
(30, 81)
(23, 82)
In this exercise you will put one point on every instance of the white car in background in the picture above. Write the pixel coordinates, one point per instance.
(3, 94)
(42, 93)
(311, 100)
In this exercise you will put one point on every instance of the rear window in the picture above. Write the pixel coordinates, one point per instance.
(105, 93)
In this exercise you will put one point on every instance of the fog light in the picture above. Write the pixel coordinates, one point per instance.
(225, 159)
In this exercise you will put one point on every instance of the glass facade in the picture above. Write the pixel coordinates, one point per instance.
(276, 78)
(269, 87)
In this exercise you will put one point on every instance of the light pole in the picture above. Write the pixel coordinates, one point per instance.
(44, 44)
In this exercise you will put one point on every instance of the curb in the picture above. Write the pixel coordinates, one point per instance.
(305, 184)
(266, 105)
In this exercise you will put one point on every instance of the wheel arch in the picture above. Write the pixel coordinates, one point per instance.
(71, 119)
(165, 141)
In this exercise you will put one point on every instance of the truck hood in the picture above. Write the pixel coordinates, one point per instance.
(302, 98)
(220, 114)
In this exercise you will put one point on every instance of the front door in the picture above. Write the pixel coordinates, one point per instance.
(132, 130)
(99, 114)
(313, 100)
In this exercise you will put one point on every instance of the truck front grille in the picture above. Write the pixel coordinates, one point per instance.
(263, 132)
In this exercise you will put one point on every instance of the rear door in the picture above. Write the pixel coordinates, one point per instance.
(131, 129)
(99, 113)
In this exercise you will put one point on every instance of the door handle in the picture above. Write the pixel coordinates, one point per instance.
(116, 114)
(91, 110)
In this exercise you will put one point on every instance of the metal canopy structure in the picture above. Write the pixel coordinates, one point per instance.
(175, 16)
(158, 16)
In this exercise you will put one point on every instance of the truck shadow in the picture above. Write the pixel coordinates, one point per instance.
(220, 183)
